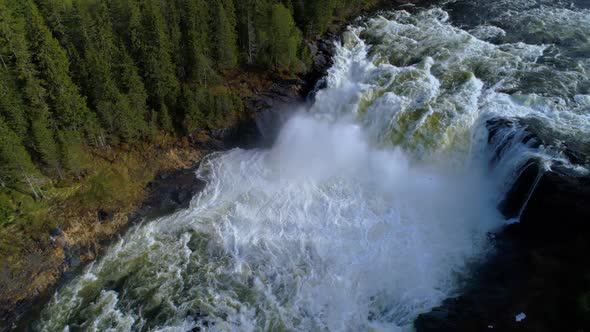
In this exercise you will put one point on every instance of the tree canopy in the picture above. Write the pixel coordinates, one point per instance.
(76, 74)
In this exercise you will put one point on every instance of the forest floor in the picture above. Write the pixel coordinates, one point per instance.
(77, 220)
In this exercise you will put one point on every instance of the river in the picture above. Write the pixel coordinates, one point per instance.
(376, 196)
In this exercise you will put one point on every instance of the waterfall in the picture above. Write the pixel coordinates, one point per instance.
(366, 210)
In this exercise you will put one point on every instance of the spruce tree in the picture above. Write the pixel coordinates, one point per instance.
(154, 55)
(195, 29)
(103, 61)
(285, 39)
(171, 14)
(318, 14)
(193, 114)
(72, 153)
(16, 168)
(13, 33)
(11, 103)
(67, 105)
(224, 36)
(131, 123)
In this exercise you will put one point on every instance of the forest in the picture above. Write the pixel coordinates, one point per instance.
(78, 75)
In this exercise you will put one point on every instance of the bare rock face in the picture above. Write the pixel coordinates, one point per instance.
(549, 201)
(541, 266)
(558, 207)
(170, 191)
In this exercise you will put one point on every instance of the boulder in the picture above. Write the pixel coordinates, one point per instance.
(55, 232)
(170, 191)
(103, 215)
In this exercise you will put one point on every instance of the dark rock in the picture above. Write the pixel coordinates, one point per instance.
(204, 140)
(521, 190)
(103, 215)
(55, 231)
(574, 156)
(504, 134)
(541, 265)
(322, 52)
(559, 205)
(171, 191)
(72, 258)
(489, 297)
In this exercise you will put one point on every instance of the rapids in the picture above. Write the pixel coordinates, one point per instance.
(376, 196)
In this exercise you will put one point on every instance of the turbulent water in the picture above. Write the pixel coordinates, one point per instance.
(375, 198)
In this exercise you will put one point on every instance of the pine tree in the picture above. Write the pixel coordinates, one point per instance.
(100, 55)
(171, 14)
(318, 14)
(96, 48)
(11, 103)
(154, 55)
(285, 39)
(13, 33)
(79, 71)
(71, 151)
(126, 18)
(195, 29)
(67, 105)
(251, 31)
(16, 167)
(132, 121)
(224, 36)
(194, 117)
(54, 14)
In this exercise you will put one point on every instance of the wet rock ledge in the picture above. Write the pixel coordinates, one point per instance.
(541, 266)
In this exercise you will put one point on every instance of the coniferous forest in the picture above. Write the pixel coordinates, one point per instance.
(78, 76)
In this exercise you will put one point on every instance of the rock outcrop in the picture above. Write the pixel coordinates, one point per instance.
(541, 265)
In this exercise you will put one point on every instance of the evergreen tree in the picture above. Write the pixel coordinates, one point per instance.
(224, 34)
(126, 17)
(71, 152)
(16, 167)
(11, 104)
(318, 14)
(132, 121)
(195, 29)
(97, 48)
(194, 117)
(68, 106)
(13, 33)
(54, 14)
(253, 27)
(171, 14)
(155, 57)
(285, 39)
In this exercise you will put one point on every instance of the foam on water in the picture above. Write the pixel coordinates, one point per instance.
(320, 232)
(364, 213)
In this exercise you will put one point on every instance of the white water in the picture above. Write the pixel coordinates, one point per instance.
(364, 213)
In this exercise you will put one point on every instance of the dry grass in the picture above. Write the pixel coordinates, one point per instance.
(31, 261)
